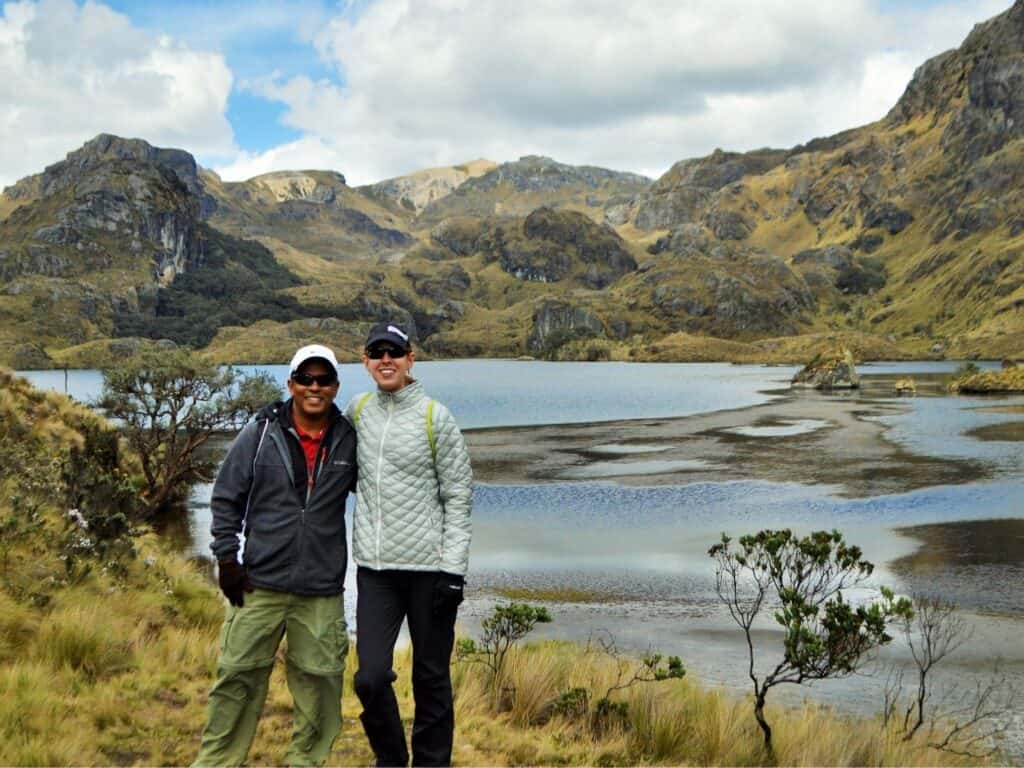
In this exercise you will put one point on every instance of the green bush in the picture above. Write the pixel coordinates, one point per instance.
(865, 274)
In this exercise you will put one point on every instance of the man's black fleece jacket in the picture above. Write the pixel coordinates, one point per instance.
(294, 530)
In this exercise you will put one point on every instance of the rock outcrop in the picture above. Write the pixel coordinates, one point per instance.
(828, 371)
(516, 188)
(547, 246)
(686, 188)
(556, 322)
(311, 211)
(110, 201)
(416, 191)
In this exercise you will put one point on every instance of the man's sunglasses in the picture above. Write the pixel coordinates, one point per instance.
(377, 352)
(304, 379)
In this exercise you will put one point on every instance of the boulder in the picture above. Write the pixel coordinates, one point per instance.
(828, 371)
(905, 386)
(729, 225)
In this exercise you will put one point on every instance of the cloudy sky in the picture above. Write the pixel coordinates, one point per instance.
(378, 88)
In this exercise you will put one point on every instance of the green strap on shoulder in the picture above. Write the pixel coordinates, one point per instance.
(430, 421)
(359, 407)
(430, 430)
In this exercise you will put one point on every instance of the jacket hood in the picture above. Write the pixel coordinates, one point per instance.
(271, 411)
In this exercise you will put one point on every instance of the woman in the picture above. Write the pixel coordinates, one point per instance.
(411, 536)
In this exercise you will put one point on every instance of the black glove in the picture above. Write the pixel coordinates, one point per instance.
(234, 581)
(447, 592)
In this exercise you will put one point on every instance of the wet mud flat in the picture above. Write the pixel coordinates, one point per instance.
(804, 437)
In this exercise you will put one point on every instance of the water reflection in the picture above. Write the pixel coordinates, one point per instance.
(977, 564)
(1010, 432)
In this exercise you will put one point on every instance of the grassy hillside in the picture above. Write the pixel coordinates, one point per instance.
(314, 211)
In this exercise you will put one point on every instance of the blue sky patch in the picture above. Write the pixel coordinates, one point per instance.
(257, 39)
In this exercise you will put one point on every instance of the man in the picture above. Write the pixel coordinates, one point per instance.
(410, 538)
(285, 479)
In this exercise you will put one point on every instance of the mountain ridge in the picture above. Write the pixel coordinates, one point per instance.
(907, 230)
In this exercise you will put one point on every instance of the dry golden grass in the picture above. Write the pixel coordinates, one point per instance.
(676, 722)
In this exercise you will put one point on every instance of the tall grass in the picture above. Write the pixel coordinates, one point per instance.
(672, 722)
(18, 625)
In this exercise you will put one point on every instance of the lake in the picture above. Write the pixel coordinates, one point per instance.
(649, 463)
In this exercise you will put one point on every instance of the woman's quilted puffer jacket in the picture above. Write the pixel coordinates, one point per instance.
(409, 517)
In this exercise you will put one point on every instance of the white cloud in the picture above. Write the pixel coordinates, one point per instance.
(634, 86)
(69, 72)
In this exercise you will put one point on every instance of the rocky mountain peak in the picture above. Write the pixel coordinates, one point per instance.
(982, 80)
(416, 191)
(313, 186)
(106, 147)
(538, 173)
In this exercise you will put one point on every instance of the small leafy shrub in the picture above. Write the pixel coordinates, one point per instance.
(573, 704)
(824, 635)
(864, 275)
(965, 369)
(506, 626)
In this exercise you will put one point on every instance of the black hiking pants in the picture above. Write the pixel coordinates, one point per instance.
(384, 599)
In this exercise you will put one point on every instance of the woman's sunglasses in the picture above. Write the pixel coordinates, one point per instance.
(304, 379)
(377, 352)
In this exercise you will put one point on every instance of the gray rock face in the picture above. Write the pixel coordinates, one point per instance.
(665, 208)
(459, 234)
(685, 240)
(729, 225)
(512, 188)
(442, 285)
(547, 246)
(535, 173)
(831, 256)
(742, 305)
(106, 147)
(868, 242)
(836, 371)
(887, 216)
(555, 322)
(600, 248)
(735, 292)
(982, 80)
(679, 195)
(111, 202)
(825, 195)
(618, 212)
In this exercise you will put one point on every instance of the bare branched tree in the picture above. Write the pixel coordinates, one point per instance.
(629, 672)
(971, 725)
(938, 631)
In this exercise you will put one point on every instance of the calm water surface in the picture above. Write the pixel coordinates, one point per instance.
(493, 393)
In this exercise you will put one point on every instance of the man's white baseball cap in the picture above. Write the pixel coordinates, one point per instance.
(313, 352)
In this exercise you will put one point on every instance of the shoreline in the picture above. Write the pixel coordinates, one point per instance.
(804, 436)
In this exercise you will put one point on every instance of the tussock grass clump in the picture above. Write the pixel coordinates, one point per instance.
(18, 626)
(84, 639)
(672, 722)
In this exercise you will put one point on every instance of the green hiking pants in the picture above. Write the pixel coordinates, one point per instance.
(317, 646)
